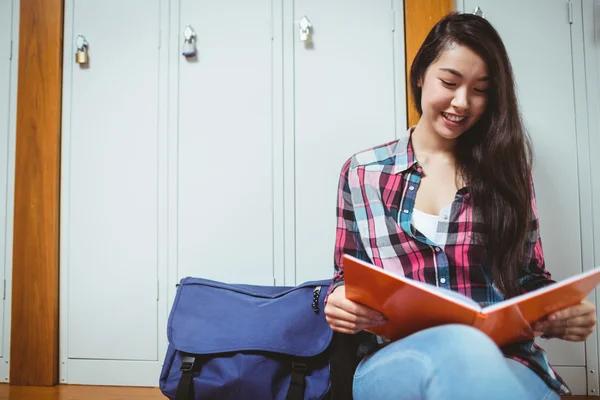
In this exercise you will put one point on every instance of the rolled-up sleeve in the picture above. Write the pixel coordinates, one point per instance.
(347, 238)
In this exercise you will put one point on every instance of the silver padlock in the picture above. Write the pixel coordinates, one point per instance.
(189, 44)
(304, 35)
(189, 48)
(305, 30)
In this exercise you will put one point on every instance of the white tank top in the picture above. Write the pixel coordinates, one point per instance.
(425, 223)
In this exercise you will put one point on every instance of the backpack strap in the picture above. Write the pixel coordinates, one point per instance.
(297, 381)
(185, 388)
(345, 353)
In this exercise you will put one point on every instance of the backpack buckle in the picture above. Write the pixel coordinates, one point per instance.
(299, 367)
(187, 364)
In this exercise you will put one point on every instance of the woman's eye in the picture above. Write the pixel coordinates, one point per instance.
(483, 91)
(448, 83)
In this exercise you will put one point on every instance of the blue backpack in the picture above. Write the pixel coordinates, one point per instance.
(247, 342)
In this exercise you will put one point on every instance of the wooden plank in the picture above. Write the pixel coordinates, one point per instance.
(73, 392)
(35, 324)
(419, 17)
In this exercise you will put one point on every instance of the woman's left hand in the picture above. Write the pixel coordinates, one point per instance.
(574, 323)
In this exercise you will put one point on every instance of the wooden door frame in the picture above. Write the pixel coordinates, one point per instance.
(419, 16)
(34, 355)
(34, 335)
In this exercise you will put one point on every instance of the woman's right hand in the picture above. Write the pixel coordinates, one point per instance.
(346, 316)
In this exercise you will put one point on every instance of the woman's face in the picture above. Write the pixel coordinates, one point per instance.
(454, 92)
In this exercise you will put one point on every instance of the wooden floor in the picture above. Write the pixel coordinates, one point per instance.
(73, 392)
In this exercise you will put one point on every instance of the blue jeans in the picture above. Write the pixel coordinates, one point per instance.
(447, 362)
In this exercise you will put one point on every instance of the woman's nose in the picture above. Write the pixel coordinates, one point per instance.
(460, 100)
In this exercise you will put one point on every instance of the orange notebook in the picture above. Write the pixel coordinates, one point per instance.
(411, 306)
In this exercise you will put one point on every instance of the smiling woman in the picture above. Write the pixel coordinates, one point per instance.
(455, 100)
(465, 71)
(467, 164)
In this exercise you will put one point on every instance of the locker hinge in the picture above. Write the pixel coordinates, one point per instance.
(10, 55)
(272, 29)
(159, 38)
(157, 290)
(393, 20)
(4, 291)
(570, 6)
(274, 281)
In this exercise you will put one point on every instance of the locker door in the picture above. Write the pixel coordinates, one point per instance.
(594, 49)
(224, 141)
(6, 192)
(349, 95)
(110, 194)
(591, 32)
(537, 35)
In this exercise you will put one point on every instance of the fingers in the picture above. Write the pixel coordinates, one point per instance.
(343, 319)
(347, 327)
(572, 329)
(574, 333)
(588, 320)
(346, 316)
(338, 300)
(343, 315)
(574, 323)
(360, 311)
(573, 338)
(584, 308)
(347, 322)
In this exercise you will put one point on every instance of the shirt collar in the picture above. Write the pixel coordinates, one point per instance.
(405, 158)
(404, 154)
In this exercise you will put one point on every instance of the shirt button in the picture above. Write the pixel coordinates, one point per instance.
(411, 188)
(437, 249)
(443, 280)
(405, 211)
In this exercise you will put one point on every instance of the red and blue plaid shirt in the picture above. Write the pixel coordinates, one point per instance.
(376, 198)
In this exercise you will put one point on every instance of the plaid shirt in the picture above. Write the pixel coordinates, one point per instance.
(376, 198)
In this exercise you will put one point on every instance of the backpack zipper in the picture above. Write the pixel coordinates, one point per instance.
(315, 299)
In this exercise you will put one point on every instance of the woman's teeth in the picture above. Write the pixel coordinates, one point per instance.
(454, 118)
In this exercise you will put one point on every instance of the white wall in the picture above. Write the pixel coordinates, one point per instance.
(591, 34)
(592, 48)
(9, 32)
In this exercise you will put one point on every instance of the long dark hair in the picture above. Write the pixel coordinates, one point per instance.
(494, 156)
